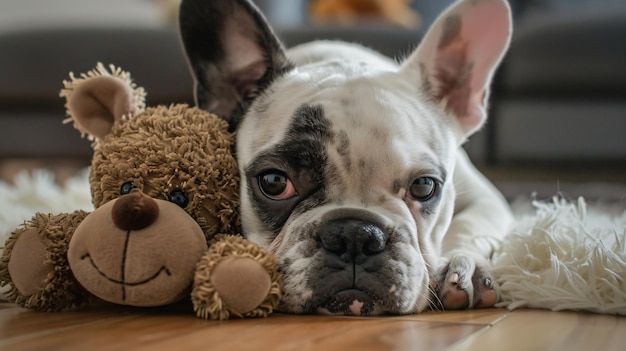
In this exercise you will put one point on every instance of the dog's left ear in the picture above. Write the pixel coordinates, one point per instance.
(233, 54)
(457, 58)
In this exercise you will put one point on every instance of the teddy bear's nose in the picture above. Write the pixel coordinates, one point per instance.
(135, 211)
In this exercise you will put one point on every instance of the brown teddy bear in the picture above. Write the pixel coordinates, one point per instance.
(165, 187)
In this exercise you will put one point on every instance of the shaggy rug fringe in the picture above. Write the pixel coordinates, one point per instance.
(565, 256)
(560, 254)
(37, 191)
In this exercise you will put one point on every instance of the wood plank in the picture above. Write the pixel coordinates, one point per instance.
(16, 321)
(121, 332)
(279, 332)
(326, 333)
(547, 330)
(480, 316)
(114, 327)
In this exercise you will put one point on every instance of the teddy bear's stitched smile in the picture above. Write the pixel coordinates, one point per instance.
(123, 281)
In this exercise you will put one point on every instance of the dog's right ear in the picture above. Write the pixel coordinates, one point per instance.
(233, 54)
(457, 58)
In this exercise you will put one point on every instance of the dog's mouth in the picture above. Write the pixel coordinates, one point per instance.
(350, 302)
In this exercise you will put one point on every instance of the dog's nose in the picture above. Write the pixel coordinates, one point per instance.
(135, 211)
(351, 239)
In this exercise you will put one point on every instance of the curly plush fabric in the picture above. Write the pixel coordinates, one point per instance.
(185, 139)
(138, 94)
(565, 258)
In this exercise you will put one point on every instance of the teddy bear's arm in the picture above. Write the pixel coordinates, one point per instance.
(34, 263)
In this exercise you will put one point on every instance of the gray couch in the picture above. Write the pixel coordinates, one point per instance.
(34, 64)
(561, 93)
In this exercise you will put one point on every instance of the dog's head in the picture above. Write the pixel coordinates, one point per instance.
(347, 164)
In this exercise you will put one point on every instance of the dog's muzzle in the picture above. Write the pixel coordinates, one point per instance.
(352, 257)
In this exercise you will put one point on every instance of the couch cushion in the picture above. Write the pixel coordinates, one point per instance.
(34, 63)
(579, 52)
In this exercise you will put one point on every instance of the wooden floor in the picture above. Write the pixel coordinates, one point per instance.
(117, 328)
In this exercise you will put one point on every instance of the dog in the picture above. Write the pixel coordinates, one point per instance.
(352, 171)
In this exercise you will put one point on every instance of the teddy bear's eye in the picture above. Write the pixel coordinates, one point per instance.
(126, 188)
(179, 198)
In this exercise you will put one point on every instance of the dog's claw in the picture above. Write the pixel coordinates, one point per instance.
(465, 283)
(453, 278)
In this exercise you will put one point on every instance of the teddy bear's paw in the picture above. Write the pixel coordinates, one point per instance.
(34, 264)
(241, 282)
(26, 266)
(235, 279)
(236, 286)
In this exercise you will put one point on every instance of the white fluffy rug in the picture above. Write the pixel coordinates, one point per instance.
(560, 255)
(38, 192)
(565, 255)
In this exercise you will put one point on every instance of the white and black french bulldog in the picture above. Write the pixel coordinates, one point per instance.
(351, 163)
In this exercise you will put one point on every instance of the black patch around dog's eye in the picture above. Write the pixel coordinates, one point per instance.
(302, 157)
(306, 139)
(271, 212)
(303, 151)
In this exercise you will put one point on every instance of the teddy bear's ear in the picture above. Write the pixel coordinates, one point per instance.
(99, 98)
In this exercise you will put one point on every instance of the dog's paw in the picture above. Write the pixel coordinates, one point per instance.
(464, 282)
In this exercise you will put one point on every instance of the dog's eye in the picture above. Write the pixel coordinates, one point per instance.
(423, 188)
(179, 198)
(276, 185)
(126, 188)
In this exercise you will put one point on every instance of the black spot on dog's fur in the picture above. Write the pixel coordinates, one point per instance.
(397, 185)
(343, 149)
(305, 142)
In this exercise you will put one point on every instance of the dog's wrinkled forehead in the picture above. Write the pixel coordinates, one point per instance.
(358, 113)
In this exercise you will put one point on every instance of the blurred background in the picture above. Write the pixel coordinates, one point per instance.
(558, 107)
